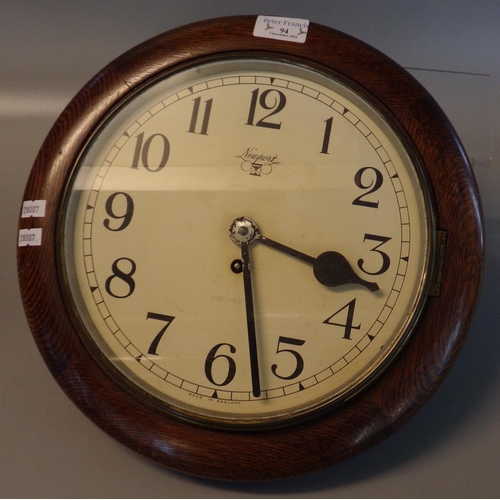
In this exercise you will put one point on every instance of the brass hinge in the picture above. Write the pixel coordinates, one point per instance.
(437, 275)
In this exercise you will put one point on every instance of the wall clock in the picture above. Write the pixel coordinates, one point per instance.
(248, 255)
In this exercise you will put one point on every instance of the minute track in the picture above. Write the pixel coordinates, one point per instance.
(225, 357)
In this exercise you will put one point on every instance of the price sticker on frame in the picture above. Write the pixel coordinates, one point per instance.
(30, 237)
(281, 28)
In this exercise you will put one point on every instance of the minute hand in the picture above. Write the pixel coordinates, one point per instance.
(330, 268)
(252, 338)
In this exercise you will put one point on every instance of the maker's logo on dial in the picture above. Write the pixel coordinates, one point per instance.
(256, 163)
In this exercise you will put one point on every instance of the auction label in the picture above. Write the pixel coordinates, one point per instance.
(33, 209)
(281, 28)
(30, 237)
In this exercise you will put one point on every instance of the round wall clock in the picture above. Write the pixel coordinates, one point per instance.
(250, 255)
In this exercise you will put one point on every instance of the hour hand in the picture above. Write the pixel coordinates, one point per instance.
(330, 268)
(333, 269)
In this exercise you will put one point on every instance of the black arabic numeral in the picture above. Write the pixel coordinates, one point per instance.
(213, 357)
(348, 325)
(121, 277)
(299, 366)
(116, 210)
(371, 182)
(274, 103)
(160, 317)
(386, 261)
(142, 152)
(206, 116)
(326, 137)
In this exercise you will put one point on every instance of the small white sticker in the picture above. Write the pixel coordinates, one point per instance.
(33, 209)
(30, 237)
(281, 28)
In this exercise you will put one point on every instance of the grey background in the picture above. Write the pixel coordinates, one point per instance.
(48, 50)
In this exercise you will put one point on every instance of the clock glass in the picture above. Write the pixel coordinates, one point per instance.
(246, 241)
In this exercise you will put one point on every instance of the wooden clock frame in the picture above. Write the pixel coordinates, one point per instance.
(323, 440)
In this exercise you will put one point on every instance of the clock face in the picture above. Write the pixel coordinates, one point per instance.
(246, 242)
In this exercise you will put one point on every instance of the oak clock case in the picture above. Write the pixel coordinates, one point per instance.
(258, 257)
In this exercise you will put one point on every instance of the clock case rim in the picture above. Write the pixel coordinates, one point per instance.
(374, 414)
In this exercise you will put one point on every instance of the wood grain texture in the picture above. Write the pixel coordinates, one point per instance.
(333, 437)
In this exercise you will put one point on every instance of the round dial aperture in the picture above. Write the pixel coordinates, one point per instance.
(247, 241)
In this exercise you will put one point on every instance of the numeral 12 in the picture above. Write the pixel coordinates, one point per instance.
(277, 104)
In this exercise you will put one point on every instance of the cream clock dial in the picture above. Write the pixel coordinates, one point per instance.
(247, 241)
